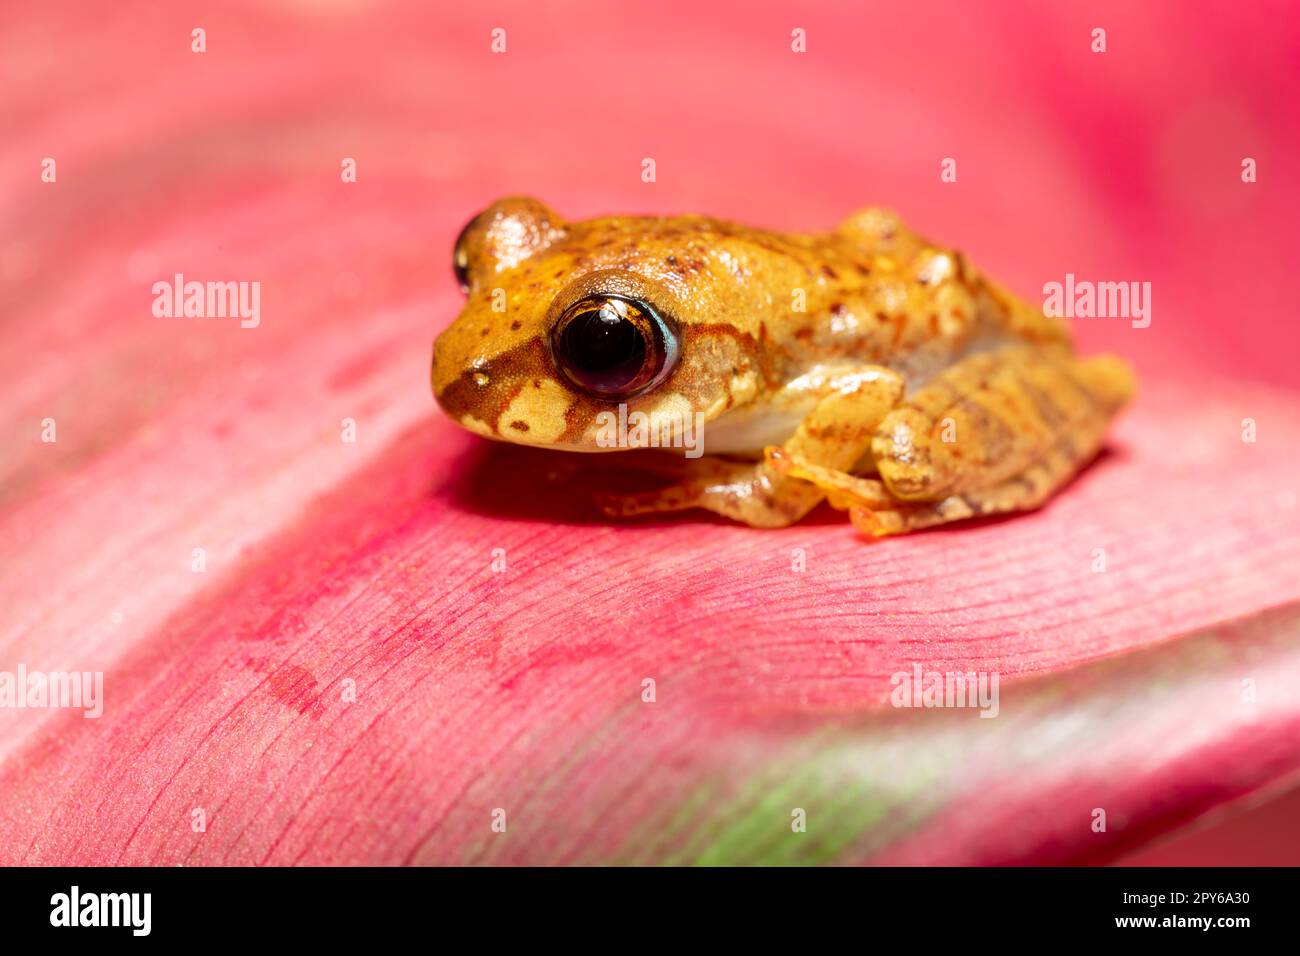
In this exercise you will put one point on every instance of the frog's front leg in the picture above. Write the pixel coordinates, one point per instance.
(999, 431)
(835, 435)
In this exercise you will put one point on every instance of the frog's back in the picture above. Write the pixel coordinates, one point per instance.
(872, 291)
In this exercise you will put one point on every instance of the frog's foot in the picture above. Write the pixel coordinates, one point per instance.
(836, 435)
(745, 491)
(871, 508)
(1025, 492)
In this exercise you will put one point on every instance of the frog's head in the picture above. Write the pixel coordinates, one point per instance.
(566, 320)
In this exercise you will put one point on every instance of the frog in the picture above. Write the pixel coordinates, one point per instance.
(863, 366)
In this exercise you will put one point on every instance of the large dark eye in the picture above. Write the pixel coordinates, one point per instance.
(612, 346)
(460, 258)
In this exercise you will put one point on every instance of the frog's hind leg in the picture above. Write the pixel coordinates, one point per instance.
(836, 435)
(999, 431)
(877, 513)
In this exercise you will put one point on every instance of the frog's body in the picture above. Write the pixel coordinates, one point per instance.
(863, 364)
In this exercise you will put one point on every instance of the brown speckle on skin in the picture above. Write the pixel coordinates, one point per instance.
(516, 325)
(964, 270)
(519, 426)
(900, 323)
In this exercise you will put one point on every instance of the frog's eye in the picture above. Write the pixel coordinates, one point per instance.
(613, 347)
(460, 258)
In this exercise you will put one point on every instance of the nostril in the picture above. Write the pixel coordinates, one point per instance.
(481, 373)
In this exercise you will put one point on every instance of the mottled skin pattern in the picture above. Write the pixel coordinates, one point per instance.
(863, 365)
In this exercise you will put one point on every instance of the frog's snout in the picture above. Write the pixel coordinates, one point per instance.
(433, 373)
(467, 388)
(444, 373)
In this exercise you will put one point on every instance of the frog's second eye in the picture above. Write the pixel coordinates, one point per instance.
(613, 347)
(460, 258)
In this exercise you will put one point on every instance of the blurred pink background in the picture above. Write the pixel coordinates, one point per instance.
(1117, 166)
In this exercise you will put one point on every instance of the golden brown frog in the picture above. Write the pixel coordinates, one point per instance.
(863, 365)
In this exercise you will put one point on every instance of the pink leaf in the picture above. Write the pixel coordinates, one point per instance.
(1155, 689)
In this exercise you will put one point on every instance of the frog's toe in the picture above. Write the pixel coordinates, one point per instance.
(643, 503)
(843, 490)
(743, 493)
(880, 523)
